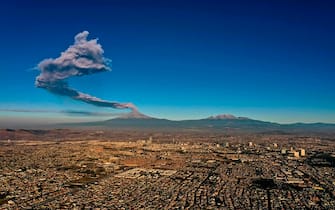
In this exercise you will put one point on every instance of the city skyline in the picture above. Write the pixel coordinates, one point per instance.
(271, 61)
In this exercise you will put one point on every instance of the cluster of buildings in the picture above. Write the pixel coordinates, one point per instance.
(254, 172)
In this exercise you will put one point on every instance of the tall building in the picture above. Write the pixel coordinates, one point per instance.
(302, 152)
(150, 140)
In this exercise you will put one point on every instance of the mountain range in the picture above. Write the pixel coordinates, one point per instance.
(219, 123)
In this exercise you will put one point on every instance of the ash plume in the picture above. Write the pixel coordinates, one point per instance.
(67, 112)
(84, 57)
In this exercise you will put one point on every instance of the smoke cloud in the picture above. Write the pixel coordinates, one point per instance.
(84, 57)
(66, 112)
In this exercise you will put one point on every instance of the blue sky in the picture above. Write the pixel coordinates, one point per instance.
(268, 60)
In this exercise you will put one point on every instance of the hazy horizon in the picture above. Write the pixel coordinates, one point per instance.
(50, 118)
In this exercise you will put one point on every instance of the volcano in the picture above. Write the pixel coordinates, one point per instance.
(134, 114)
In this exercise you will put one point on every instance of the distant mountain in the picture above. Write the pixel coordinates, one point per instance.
(134, 115)
(226, 117)
(219, 123)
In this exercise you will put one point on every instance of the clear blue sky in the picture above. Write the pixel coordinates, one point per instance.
(268, 60)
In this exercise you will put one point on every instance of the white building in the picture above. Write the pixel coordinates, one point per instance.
(302, 152)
